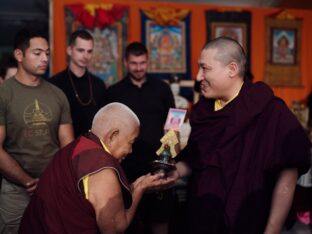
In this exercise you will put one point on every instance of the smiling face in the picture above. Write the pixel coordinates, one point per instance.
(80, 52)
(137, 66)
(34, 61)
(213, 75)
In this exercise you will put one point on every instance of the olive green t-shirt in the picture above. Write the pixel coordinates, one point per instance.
(32, 116)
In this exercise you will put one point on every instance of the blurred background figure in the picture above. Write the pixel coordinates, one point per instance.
(180, 102)
(8, 68)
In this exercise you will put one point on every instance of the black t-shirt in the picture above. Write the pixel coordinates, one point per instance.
(150, 103)
(82, 115)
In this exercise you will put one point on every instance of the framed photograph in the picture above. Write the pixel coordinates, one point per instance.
(233, 24)
(282, 65)
(175, 119)
(284, 46)
(236, 31)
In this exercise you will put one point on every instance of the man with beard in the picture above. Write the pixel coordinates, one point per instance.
(85, 92)
(34, 123)
(245, 151)
(150, 99)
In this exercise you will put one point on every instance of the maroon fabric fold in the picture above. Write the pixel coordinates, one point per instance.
(58, 204)
(236, 154)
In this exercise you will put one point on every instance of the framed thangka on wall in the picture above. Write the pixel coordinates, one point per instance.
(232, 24)
(283, 36)
(283, 46)
(108, 25)
(168, 42)
(236, 31)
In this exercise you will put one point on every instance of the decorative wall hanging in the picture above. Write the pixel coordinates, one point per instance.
(108, 25)
(166, 34)
(233, 24)
(283, 39)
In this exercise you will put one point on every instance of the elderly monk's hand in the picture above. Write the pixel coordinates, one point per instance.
(155, 182)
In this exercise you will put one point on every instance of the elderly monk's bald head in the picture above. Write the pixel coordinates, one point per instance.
(117, 126)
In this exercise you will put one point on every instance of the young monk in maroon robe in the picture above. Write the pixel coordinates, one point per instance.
(84, 189)
(245, 151)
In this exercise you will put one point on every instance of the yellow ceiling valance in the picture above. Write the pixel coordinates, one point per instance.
(166, 16)
(284, 15)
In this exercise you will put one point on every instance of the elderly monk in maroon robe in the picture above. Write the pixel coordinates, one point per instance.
(84, 189)
(245, 151)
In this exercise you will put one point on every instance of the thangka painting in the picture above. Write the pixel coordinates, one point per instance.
(165, 47)
(284, 46)
(167, 41)
(110, 36)
(235, 25)
(283, 36)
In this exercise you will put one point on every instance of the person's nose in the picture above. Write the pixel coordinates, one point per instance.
(45, 57)
(86, 55)
(199, 76)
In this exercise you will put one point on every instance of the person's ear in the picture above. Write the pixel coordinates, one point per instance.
(18, 54)
(233, 69)
(69, 51)
(125, 61)
(110, 138)
(113, 134)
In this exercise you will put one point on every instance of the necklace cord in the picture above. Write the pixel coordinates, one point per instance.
(76, 92)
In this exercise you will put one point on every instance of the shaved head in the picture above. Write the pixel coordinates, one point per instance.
(229, 51)
(114, 116)
(117, 127)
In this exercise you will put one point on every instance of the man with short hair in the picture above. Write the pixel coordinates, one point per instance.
(84, 189)
(86, 93)
(34, 123)
(150, 99)
(245, 151)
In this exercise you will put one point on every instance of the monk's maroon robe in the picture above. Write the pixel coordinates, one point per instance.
(236, 155)
(59, 204)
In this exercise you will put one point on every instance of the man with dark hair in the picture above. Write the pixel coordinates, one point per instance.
(34, 123)
(245, 151)
(150, 99)
(86, 93)
(136, 49)
(83, 34)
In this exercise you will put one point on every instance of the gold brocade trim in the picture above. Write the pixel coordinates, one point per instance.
(166, 16)
(91, 8)
(284, 15)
